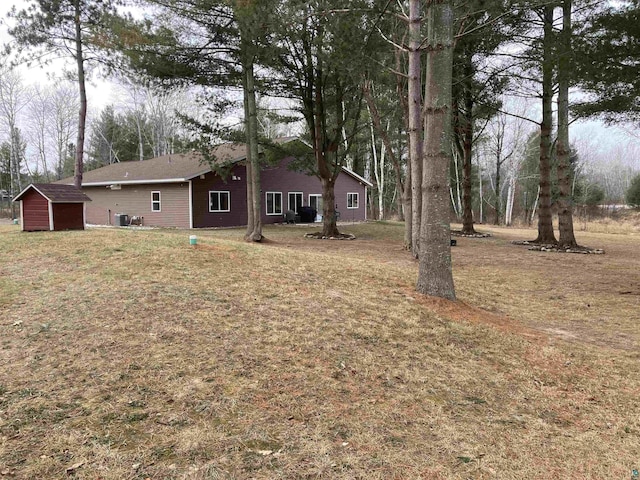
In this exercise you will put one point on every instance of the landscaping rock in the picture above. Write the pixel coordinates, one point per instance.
(459, 233)
(319, 236)
(556, 248)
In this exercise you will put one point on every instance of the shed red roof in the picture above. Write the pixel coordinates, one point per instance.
(56, 193)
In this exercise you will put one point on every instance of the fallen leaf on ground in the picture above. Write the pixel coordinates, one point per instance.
(74, 467)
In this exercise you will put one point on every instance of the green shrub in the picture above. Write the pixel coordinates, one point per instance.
(588, 193)
(633, 193)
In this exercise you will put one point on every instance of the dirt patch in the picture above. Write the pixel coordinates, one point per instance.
(462, 312)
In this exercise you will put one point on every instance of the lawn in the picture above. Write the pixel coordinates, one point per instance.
(129, 354)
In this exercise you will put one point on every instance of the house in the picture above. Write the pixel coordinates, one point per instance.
(47, 206)
(182, 191)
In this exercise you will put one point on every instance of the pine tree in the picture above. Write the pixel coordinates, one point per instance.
(321, 64)
(434, 275)
(632, 195)
(67, 28)
(563, 150)
(476, 86)
(606, 50)
(232, 43)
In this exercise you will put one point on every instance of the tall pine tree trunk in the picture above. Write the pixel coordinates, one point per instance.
(324, 166)
(408, 211)
(254, 225)
(329, 225)
(246, 16)
(545, 219)
(82, 117)
(467, 207)
(249, 182)
(480, 194)
(415, 122)
(434, 274)
(406, 198)
(498, 186)
(467, 144)
(563, 149)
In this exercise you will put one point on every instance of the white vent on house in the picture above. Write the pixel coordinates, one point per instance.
(115, 186)
(235, 177)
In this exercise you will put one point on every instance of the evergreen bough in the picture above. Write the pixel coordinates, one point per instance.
(633, 193)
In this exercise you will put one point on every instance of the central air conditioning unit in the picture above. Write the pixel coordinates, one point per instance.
(115, 186)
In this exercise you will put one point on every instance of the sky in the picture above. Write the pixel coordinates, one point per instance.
(595, 141)
(100, 92)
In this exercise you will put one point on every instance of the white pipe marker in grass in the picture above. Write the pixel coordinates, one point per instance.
(193, 240)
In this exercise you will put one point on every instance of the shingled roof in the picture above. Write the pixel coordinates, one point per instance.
(172, 168)
(56, 193)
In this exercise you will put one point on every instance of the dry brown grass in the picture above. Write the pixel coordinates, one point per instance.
(131, 355)
(625, 222)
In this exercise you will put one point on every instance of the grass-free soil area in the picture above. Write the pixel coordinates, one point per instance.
(128, 354)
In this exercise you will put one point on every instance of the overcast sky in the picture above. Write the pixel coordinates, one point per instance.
(99, 91)
(593, 139)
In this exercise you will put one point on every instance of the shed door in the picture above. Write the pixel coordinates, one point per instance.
(68, 216)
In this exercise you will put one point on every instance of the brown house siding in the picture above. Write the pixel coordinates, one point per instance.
(347, 184)
(280, 179)
(237, 189)
(136, 200)
(35, 212)
(272, 179)
(68, 216)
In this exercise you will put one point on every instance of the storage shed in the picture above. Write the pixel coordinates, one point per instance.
(48, 206)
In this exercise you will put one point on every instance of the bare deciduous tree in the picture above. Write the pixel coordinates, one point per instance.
(63, 122)
(14, 97)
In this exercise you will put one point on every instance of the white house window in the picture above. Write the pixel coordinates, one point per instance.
(274, 203)
(295, 201)
(352, 200)
(219, 201)
(155, 201)
(315, 202)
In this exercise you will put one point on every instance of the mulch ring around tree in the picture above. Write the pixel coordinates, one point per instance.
(320, 236)
(460, 233)
(557, 248)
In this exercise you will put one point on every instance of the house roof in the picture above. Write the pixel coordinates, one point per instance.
(56, 193)
(357, 177)
(174, 168)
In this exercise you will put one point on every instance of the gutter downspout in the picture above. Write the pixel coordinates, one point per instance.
(365, 203)
(190, 204)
